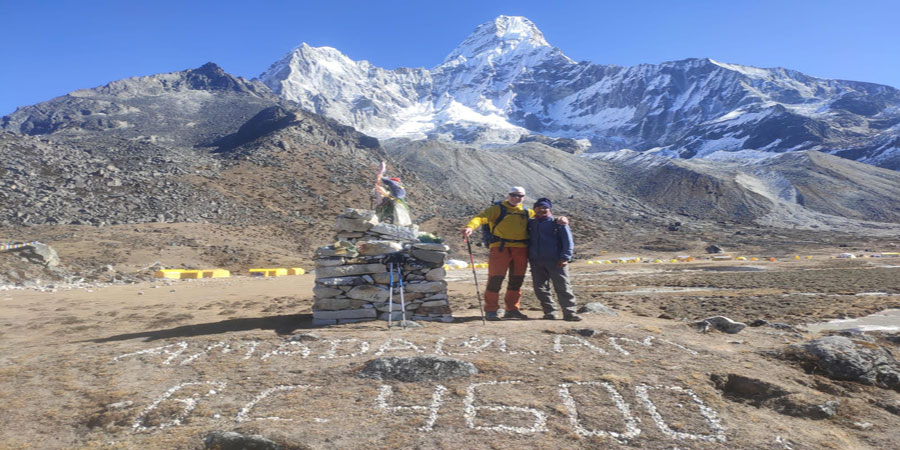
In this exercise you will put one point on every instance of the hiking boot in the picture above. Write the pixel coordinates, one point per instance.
(572, 318)
(492, 316)
(549, 316)
(514, 314)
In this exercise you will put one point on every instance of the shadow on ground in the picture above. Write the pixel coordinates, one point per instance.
(280, 324)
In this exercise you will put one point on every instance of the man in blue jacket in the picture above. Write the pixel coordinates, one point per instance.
(549, 252)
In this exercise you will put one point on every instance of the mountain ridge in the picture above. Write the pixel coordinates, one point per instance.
(493, 90)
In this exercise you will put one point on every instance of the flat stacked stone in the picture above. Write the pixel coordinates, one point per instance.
(353, 281)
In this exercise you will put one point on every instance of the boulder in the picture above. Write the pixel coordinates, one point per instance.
(39, 253)
(230, 440)
(596, 308)
(419, 368)
(720, 323)
(714, 249)
(842, 358)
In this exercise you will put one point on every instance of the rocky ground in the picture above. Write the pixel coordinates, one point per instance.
(176, 364)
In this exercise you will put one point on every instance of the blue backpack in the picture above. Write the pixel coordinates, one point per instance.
(487, 235)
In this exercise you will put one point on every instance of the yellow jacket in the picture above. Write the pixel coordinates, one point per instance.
(514, 226)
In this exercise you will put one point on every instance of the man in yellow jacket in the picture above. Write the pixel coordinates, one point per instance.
(509, 252)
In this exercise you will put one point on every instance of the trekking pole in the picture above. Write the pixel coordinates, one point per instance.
(475, 276)
(390, 294)
(402, 302)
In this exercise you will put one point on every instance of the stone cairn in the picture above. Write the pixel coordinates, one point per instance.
(353, 281)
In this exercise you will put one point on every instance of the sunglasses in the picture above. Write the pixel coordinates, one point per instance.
(517, 195)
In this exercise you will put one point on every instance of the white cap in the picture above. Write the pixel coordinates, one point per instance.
(517, 190)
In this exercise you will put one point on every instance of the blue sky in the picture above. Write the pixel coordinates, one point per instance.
(52, 47)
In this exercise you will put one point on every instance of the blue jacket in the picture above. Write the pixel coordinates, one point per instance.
(548, 241)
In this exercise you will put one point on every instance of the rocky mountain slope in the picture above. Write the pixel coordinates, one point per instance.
(505, 82)
(212, 170)
(164, 148)
(809, 190)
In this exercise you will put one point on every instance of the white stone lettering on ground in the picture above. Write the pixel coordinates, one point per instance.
(647, 342)
(242, 415)
(388, 346)
(474, 345)
(470, 412)
(252, 349)
(614, 342)
(718, 431)
(437, 399)
(288, 348)
(336, 343)
(179, 348)
(578, 342)
(631, 428)
(224, 346)
(189, 403)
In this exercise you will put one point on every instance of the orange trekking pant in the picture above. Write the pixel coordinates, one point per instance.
(515, 261)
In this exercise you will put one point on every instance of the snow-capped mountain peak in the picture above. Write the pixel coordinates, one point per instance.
(503, 35)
